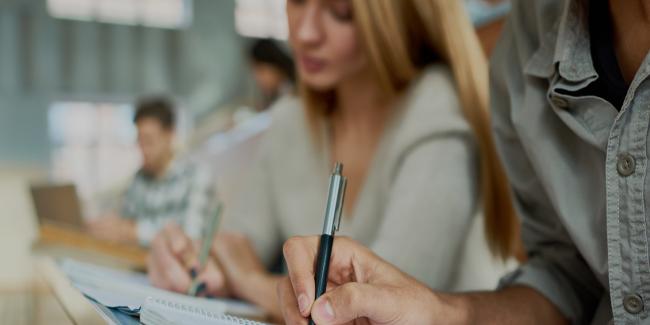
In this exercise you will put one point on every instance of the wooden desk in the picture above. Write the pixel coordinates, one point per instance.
(56, 240)
(46, 299)
(32, 304)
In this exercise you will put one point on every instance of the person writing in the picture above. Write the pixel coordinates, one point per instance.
(165, 190)
(570, 97)
(403, 106)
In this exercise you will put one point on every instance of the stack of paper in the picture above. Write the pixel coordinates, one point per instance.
(158, 311)
(127, 291)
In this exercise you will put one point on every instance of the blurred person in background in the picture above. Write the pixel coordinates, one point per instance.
(165, 189)
(273, 71)
(396, 91)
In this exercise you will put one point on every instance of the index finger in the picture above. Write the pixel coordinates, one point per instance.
(181, 246)
(300, 256)
(165, 270)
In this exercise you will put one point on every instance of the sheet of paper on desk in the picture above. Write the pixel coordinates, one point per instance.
(162, 312)
(127, 291)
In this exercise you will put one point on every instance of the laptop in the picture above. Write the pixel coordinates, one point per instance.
(57, 204)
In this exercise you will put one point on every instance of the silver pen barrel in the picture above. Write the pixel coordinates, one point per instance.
(335, 195)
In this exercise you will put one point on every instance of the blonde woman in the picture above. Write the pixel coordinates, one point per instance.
(397, 91)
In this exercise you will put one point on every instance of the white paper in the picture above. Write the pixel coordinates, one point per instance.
(128, 290)
(158, 311)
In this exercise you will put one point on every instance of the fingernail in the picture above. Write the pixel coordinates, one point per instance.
(303, 303)
(201, 288)
(325, 310)
(193, 273)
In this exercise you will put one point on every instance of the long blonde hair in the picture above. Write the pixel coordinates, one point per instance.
(402, 37)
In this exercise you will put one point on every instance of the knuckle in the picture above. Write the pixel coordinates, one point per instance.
(291, 245)
(350, 294)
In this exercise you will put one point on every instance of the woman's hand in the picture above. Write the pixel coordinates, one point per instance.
(238, 260)
(362, 289)
(233, 268)
(172, 258)
(246, 275)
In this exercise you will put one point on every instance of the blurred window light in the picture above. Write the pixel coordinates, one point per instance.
(261, 19)
(267, 18)
(173, 14)
(93, 145)
(483, 12)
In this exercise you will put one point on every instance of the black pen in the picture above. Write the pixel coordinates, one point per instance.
(331, 224)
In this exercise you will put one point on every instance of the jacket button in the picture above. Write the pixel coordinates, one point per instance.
(625, 164)
(633, 304)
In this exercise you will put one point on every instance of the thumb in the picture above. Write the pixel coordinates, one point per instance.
(355, 300)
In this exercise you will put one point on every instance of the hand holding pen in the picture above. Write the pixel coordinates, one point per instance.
(209, 232)
(173, 264)
(333, 210)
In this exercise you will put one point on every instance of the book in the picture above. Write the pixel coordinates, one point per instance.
(160, 311)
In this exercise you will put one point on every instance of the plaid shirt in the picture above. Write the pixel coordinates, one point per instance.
(185, 195)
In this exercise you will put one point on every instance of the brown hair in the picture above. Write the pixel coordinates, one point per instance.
(158, 108)
(402, 37)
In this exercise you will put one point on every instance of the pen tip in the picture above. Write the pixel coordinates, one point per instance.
(338, 169)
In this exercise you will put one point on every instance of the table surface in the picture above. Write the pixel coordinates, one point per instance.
(25, 296)
(32, 289)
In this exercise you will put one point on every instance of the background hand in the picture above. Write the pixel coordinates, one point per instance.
(245, 273)
(113, 228)
(173, 256)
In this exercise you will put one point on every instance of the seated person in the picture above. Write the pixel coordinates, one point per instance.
(571, 100)
(273, 71)
(164, 190)
(406, 112)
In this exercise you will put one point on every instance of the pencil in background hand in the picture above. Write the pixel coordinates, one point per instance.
(206, 244)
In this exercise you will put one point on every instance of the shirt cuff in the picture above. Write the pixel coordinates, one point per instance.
(548, 281)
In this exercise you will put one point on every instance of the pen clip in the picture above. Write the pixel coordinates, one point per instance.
(341, 199)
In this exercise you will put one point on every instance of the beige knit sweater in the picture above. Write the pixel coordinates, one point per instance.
(418, 202)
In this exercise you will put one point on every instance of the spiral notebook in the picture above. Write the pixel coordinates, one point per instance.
(159, 311)
(126, 291)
